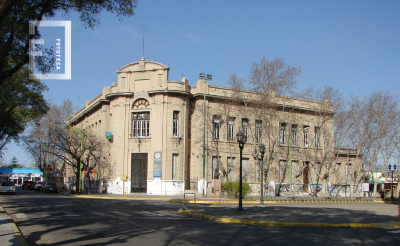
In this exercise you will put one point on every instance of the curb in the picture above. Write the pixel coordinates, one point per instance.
(267, 202)
(14, 227)
(212, 201)
(273, 223)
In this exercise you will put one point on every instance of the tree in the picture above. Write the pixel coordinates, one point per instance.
(21, 99)
(270, 79)
(371, 126)
(14, 27)
(273, 75)
(52, 144)
(14, 161)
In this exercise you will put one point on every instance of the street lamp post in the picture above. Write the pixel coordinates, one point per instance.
(80, 157)
(262, 151)
(205, 78)
(241, 138)
(391, 186)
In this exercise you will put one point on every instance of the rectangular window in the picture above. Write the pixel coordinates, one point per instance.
(215, 167)
(175, 124)
(216, 127)
(231, 169)
(231, 130)
(258, 131)
(294, 135)
(174, 166)
(282, 169)
(245, 125)
(141, 124)
(305, 136)
(282, 134)
(317, 137)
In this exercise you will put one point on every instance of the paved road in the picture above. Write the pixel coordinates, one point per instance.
(51, 219)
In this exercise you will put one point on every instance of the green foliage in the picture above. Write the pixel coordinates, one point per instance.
(14, 27)
(232, 189)
(21, 101)
(14, 161)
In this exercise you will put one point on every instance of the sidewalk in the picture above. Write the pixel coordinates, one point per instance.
(284, 214)
(9, 233)
(365, 215)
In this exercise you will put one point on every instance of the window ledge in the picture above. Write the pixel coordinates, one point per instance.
(149, 137)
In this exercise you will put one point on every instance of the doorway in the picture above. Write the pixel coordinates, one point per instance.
(139, 172)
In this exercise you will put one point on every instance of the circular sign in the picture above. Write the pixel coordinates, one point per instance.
(157, 155)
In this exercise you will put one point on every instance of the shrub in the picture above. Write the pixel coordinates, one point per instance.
(232, 189)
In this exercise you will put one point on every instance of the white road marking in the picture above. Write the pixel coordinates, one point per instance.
(397, 231)
(123, 214)
(157, 213)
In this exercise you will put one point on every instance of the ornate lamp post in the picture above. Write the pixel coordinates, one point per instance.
(241, 138)
(262, 151)
(205, 78)
(392, 170)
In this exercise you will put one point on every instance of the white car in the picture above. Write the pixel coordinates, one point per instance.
(7, 187)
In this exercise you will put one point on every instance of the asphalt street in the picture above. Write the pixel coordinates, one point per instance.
(53, 219)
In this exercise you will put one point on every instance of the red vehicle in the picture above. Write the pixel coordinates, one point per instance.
(27, 184)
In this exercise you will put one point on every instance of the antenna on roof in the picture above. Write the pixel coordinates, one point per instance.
(143, 42)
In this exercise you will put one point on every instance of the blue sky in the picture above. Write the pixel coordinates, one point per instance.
(352, 45)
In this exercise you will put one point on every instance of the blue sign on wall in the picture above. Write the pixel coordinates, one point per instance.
(157, 164)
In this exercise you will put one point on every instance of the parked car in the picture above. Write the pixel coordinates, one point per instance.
(49, 186)
(7, 187)
(27, 184)
(37, 185)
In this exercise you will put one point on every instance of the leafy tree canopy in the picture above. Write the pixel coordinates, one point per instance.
(14, 27)
(21, 99)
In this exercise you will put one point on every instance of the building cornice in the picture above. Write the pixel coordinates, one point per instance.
(240, 100)
(118, 94)
(169, 91)
(83, 112)
(162, 67)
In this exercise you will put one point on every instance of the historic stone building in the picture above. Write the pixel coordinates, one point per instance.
(158, 127)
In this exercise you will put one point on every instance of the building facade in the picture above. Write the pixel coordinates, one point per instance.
(19, 175)
(156, 128)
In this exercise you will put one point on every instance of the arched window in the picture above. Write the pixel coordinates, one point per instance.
(140, 103)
